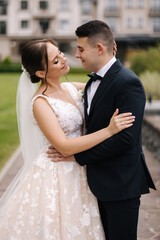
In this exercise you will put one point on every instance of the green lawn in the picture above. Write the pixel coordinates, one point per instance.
(8, 125)
(9, 139)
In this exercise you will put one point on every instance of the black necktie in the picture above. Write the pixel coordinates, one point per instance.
(94, 77)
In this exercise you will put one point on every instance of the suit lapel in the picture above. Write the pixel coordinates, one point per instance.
(103, 85)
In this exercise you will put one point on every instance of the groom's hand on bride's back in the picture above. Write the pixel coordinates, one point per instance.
(56, 156)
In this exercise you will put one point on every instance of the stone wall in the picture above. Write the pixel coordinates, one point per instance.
(151, 133)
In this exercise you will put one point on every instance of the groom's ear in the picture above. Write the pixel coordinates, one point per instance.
(100, 49)
(40, 74)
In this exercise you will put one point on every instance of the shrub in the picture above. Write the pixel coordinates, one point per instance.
(153, 59)
(146, 60)
(139, 62)
(6, 61)
(78, 71)
(151, 83)
(5, 66)
(10, 67)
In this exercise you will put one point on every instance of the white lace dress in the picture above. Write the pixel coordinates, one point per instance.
(54, 201)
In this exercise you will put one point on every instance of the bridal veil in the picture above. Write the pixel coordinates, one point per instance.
(30, 138)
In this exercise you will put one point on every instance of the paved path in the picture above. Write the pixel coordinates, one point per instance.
(10, 171)
(155, 105)
(149, 220)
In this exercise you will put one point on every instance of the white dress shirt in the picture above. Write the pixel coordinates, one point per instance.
(94, 85)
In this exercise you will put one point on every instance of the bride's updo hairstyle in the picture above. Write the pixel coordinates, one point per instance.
(34, 58)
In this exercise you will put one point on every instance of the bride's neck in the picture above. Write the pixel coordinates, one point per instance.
(53, 85)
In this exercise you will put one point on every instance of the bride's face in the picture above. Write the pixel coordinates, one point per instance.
(57, 63)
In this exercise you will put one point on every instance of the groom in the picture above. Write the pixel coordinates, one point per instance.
(116, 168)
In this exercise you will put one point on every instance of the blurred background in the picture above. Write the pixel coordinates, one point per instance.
(135, 23)
(136, 27)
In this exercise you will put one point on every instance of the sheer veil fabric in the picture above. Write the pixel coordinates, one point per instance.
(30, 138)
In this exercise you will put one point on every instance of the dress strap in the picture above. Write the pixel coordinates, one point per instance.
(49, 100)
(74, 94)
(72, 90)
(34, 98)
(39, 95)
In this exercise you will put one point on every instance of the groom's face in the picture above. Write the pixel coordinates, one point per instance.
(87, 54)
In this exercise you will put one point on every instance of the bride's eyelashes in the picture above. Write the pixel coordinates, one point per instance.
(56, 61)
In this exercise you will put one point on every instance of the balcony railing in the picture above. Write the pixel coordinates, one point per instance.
(156, 29)
(92, 1)
(154, 12)
(45, 13)
(112, 12)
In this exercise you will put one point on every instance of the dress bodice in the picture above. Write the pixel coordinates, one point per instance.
(69, 116)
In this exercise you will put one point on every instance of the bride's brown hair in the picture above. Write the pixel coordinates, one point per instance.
(34, 58)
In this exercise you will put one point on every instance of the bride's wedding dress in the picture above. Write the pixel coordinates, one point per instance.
(53, 202)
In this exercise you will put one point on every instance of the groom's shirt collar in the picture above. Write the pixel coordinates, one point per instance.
(106, 67)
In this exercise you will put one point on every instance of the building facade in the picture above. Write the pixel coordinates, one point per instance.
(134, 22)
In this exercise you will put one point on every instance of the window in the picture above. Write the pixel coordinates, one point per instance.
(140, 3)
(140, 22)
(44, 24)
(3, 10)
(64, 4)
(129, 22)
(24, 4)
(24, 24)
(129, 3)
(112, 5)
(86, 7)
(156, 24)
(3, 27)
(156, 5)
(64, 25)
(43, 4)
(112, 22)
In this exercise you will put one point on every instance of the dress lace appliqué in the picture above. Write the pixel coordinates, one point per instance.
(54, 202)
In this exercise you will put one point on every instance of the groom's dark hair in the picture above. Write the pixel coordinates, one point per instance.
(96, 31)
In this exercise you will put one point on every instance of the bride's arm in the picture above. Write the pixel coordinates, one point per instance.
(51, 128)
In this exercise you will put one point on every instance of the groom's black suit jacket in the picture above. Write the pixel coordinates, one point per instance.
(116, 168)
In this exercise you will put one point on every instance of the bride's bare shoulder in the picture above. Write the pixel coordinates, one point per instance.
(79, 85)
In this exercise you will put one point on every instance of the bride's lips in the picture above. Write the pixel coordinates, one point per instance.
(65, 66)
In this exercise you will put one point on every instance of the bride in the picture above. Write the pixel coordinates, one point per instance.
(50, 200)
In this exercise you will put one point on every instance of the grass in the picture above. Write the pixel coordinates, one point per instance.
(8, 123)
(9, 139)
